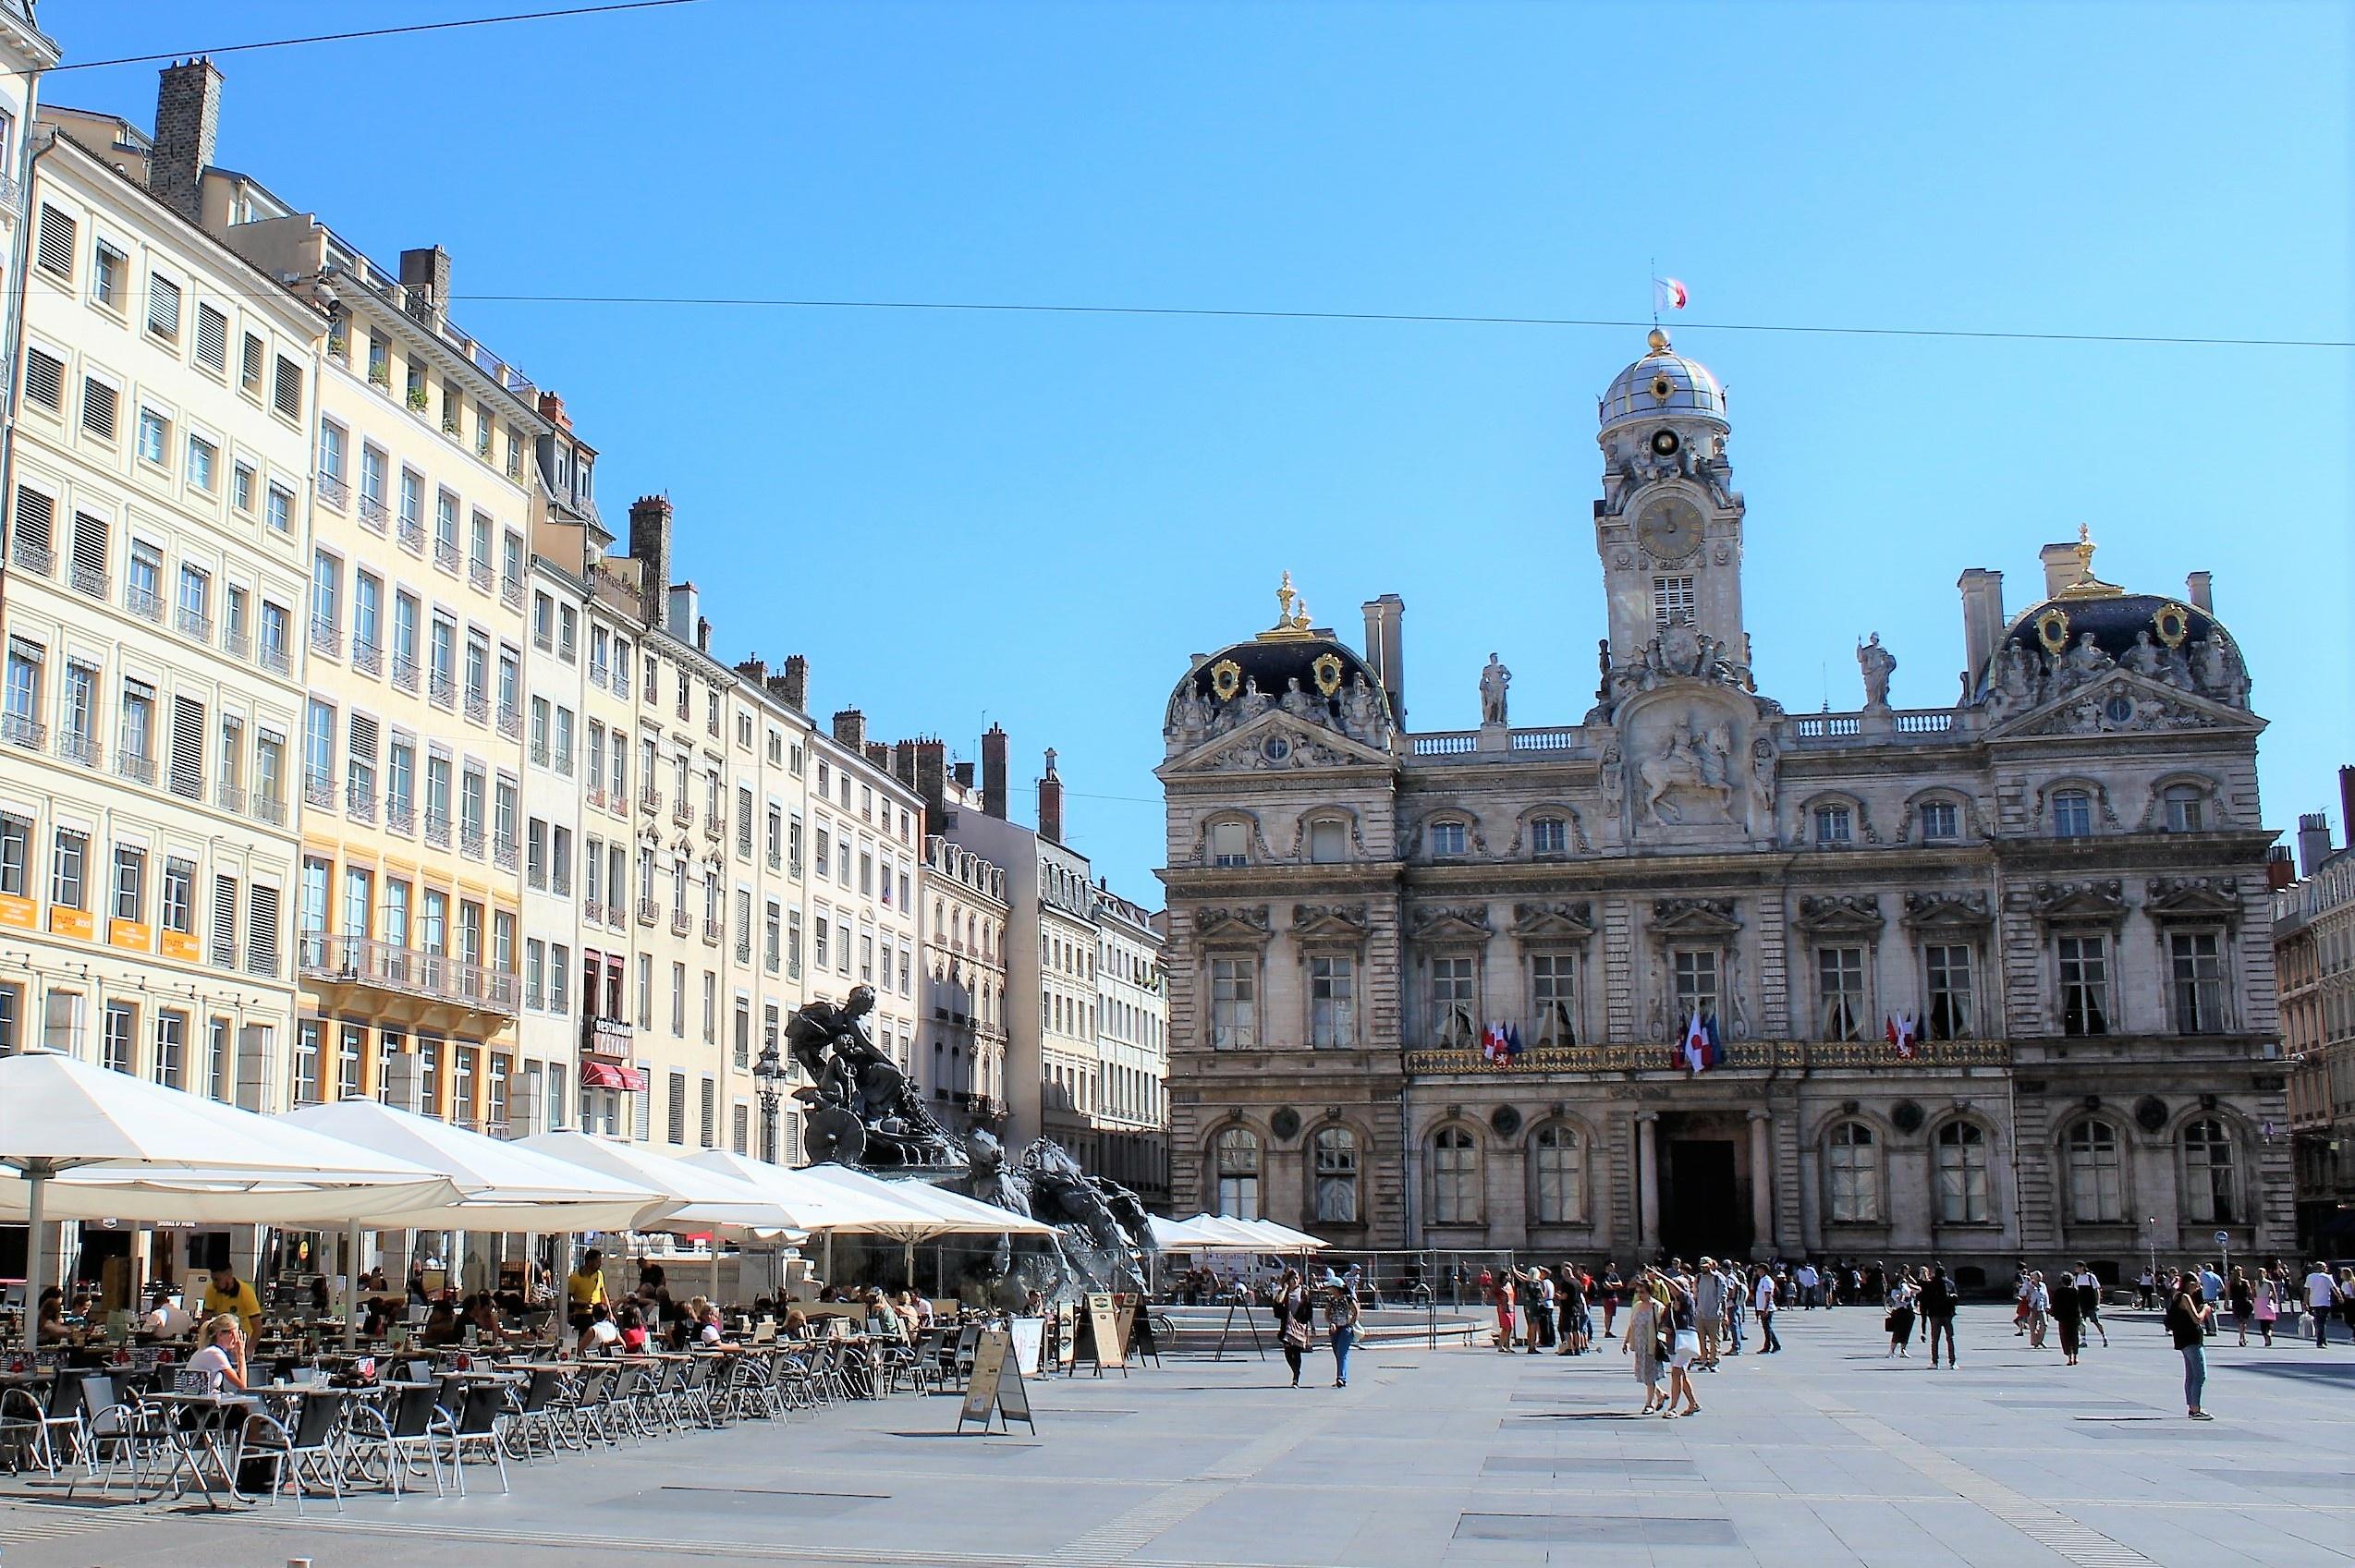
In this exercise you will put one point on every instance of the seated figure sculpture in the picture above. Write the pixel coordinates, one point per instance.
(860, 1108)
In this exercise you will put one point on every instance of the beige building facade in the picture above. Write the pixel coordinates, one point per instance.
(2052, 891)
(2314, 937)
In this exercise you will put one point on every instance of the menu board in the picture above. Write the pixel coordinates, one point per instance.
(1108, 1332)
(996, 1385)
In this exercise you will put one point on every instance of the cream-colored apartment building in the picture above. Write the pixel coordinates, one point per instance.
(411, 752)
(157, 477)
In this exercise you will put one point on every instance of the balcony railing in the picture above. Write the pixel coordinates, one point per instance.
(539, 753)
(595, 796)
(682, 811)
(326, 637)
(714, 829)
(360, 803)
(404, 672)
(445, 557)
(33, 558)
(650, 799)
(712, 932)
(648, 911)
(472, 843)
(144, 603)
(193, 623)
(594, 911)
(1780, 1055)
(682, 922)
(511, 721)
(400, 816)
(319, 789)
(77, 746)
(411, 533)
(368, 658)
(477, 707)
(437, 827)
(270, 810)
(479, 573)
(136, 766)
(18, 730)
(276, 658)
(502, 851)
(91, 580)
(443, 691)
(334, 491)
(230, 799)
(373, 516)
(360, 961)
(511, 592)
(237, 645)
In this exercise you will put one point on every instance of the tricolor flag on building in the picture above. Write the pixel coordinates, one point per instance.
(1905, 1033)
(1700, 1049)
(1670, 294)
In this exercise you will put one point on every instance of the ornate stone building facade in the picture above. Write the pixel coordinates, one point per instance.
(2052, 890)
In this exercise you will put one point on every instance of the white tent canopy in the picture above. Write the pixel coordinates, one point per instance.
(1188, 1235)
(88, 1143)
(937, 1212)
(815, 1206)
(704, 1198)
(1281, 1238)
(502, 1186)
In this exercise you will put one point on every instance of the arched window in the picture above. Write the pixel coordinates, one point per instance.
(2096, 1182)
(1557, 1172)
(2207, 1172)
(1328, 841)
(1962, 1174)
(1454, 1177)
(2186, 807)
(2072, 814)
(1230, 844)
(1336, 1151)
(1852, 1171)
(1236, 1158)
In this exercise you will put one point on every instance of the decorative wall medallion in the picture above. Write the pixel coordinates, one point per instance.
(1226, 679)
(1327, 670)
(1506, 1120)
(1663, 388)
(1285, 1124)
(2173, 623)
(1907, 1117)
(1276, 748)
(2052, 629)
(2151, 1113)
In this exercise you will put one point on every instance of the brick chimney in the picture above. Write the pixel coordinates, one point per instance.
(963, 774)
(552, 410)
(650, 547)
(930, 782)
(2313, 841)
(903, 762)
(754, 670)
(2347, 803)
(792, 684)
(879, 754)
(1051, 802)
(850, 728)
(187, 118)
(993, 772)
(2281, 867)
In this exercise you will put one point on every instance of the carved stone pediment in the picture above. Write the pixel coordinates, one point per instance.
(2194, 898)
(1840, 914)
(1242, 924)
(1278, 742)
(2101, 898)
(1945, 911)
(1558, 922)
(1342, 922)
(2122, 702)
(1466, 923)
(1694, 918)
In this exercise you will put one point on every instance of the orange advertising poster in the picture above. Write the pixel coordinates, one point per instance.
(71, 922)
(129, 933)
(180, 946)
(17, 912)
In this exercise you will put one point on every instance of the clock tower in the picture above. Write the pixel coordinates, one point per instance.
(1668, 525)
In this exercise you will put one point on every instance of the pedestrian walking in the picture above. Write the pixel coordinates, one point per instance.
(2146, 1291)
(2266, 1306)
(2039, 1303)
(1806, 1281)
(1763, 1303)
(2069, 1316)
(1899, 1321)
(1613, 1288)
(1737, 1304)
(1684, 1348)
(1938, 1303)
(1504, 1297)
(1341, 1329)
(2322, 1295)
(1709, 1312)
(1569, 1305)
(2187, 1325)
(1642, 1341)
(2089, 1304)
(1295, 1316)
(2241, 1296)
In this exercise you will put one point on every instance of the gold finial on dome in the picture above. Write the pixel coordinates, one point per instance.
(2087, 585)
(1658, 340)
(1291, 615)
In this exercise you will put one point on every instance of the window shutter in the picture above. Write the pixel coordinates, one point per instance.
(249, 364)
(89, 545)
(57, 242)
(262, 931)
(287, 392)
(162, 307)
(45, 380)
(363, 739)
(211, 339)
(36, 521)
(98, 408)
(678, 1128)
(224, 951)
(188, 749)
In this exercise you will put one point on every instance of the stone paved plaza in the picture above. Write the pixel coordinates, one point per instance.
(1827, 1454)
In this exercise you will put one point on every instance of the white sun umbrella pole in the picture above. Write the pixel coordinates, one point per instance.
(86, 1143)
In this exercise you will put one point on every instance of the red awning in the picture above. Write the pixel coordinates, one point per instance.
(610, 1075)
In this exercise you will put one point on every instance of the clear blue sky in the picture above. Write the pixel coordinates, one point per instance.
(1033, 519)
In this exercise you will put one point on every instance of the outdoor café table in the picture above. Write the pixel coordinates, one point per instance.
(205, 1427)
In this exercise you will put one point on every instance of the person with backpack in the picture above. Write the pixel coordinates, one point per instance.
(1937, 1304)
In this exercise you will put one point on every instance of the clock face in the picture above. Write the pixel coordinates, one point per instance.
(1670, 529)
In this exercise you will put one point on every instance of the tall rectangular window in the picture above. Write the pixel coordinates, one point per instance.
(1332, 1001)
(1839, 991)
(2084, 984)
(1454, 998)
(2195, 961)
(1946, 968)
(1553, 985)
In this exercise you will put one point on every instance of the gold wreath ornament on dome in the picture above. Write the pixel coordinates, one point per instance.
(2052, 629)
(1327, 670)
(1663, 388)
(1226, 680)
(2173, 623)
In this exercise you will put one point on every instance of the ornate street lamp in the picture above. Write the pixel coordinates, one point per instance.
(769, 1073)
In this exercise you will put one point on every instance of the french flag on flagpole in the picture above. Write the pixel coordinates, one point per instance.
(1697, 1051)
(1492, 1043)
(1670, 294)
(1904, 1034)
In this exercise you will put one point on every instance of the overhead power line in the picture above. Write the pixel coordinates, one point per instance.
(1817, 329)
(372, 32)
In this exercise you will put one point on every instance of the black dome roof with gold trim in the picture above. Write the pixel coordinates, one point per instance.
(2116, 619)
(1289, 651)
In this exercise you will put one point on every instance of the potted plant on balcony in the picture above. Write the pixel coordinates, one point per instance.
(417, 400)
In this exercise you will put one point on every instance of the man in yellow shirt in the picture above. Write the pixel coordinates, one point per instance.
(228, 1293)
(584, 1288)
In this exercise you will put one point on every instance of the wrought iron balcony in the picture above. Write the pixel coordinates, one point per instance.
(276, 658)
(400, 816)
(360, 803)
(511, 723)
(136, 766)
(230, 799)
(144, 603)
(366, 657)
(437, 827)
(445, 557)
(326, 637)
(91, 580)
(411, 533)
(334, 491)
(373, 516)
(80, 745)
(443, 692)
(37, 559)
(319, 789)
(378, 965)
(270, 810)
(682, 811)
(193, 623)
(502, 851)
(477, 707)
(479, 573)
(18, 730)
(511, 592)
(648, 912)
(712, 932)
(404, 672)
(650, 799)
(681, 922)
(472, 843)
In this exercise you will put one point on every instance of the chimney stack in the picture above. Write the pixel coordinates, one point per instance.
(879, 754)
(792, 684)
(755, 670)
(2200, 587)
(2280, 868)
(552, 410)
(187, 118)
(1983, 621)
(851, 729)
(931, 782)
(426, 275)
(650, 547)
(993, 772)
(1386, 650)
(963, 774)
(2060, 567)
(903, 762)
(1051, 802)
(683, 607)
(2346, 805)
(2313, 841)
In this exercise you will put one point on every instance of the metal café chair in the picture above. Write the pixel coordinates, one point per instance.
(311, 1449)
(413, 1424)
(481, 1424)
(532, 1413)
(118, 1432)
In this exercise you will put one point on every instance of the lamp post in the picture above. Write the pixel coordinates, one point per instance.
(769, 1073)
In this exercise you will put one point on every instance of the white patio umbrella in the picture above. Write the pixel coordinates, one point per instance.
(502, 1186)
(1283, 1239)
(87, 1143)
(704, 1198)
(940, 1212)
(815, 1206)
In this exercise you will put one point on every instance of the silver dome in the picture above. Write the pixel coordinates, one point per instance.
(1663, 382)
